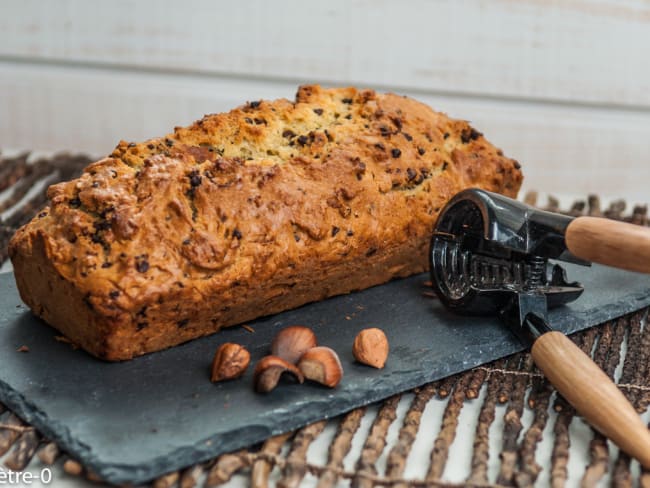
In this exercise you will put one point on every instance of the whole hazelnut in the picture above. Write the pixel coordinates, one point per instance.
(321, 364)
(371, 347)
(268, 371)
(230, 361)
(292, 342)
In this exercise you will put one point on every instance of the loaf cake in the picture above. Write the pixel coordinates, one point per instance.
(247, 213)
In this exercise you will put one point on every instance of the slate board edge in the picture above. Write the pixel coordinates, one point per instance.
(186, 456)
(633, 303)
(117, 473)
(189, 455)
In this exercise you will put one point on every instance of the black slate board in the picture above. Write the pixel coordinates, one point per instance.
(133, 421)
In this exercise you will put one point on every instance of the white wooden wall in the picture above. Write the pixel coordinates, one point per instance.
(563, 86)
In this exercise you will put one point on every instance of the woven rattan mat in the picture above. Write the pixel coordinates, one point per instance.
(374, 446)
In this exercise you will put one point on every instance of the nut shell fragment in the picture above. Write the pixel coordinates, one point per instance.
(292, 342)
(268, 371)
(321, 364)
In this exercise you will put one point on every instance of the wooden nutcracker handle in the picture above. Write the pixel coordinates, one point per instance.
(609, 242)
(592, 393)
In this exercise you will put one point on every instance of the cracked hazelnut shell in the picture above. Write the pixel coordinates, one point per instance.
(321, 364)
(268, 371)
(292, 342)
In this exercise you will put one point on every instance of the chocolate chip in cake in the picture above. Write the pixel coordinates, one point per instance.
(395, 152)
(421, 151)
(411, 173)
(182, 323)
(318, 111)
(141, 264)
(470, 134)
(195, 179)
(335, 230)
(347, 101)
(385, 131)
(75, 202)
(255, 104)
(102, 225)
(236, 233)
(114, 294)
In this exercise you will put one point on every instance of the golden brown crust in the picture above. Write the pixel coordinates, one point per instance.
(265, 208)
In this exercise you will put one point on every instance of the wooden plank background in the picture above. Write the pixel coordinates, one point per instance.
(562, 86)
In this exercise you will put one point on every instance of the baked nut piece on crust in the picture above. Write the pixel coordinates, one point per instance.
(247, 213)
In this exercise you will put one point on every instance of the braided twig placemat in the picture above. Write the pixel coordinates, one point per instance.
(513, 385)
